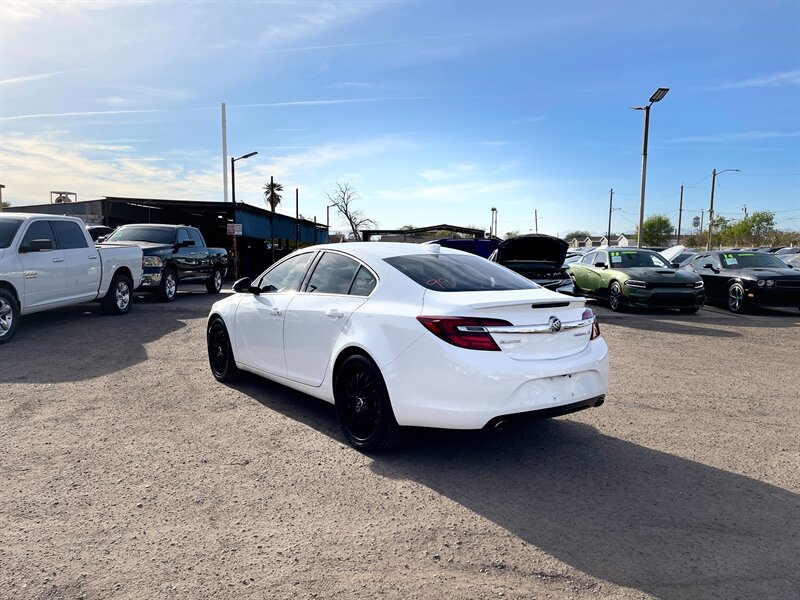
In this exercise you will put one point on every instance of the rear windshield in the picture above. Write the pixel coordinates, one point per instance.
(751, 260)
(457, 273)
(154, 235)
(8, 229)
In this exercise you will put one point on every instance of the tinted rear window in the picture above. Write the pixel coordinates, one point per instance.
(8, 229)
(456, 273)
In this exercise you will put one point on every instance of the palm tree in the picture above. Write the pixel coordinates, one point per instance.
(271, 194)
(273, 198)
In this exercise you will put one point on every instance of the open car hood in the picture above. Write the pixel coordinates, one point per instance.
(672, 253)
(535, 247)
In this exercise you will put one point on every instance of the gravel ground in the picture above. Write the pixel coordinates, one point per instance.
(128, 472)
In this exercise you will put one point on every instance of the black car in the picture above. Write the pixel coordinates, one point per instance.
(99, 231)
(742, 280)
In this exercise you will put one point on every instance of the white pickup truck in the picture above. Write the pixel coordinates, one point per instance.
(49, 261)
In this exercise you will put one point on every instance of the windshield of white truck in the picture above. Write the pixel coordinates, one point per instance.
(8, 229)
(154, 235)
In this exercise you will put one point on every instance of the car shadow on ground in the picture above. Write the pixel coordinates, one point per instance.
(618, 511)
(80, 342)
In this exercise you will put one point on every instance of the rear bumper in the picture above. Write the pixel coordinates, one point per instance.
(455, 388)
(544, 413)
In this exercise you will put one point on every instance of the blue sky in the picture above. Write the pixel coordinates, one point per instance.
(434, 111)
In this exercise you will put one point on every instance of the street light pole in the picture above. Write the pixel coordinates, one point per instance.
(610, 208)
(233, 202)
(714, 174)
(656, 97)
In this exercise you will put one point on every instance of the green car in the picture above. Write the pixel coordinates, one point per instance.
(633, 277)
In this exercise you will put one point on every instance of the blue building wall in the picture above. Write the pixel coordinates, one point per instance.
(257, 225)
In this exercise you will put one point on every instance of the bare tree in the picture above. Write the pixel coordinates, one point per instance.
(343, 197)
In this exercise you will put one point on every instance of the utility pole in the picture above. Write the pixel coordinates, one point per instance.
(296, 218)
(680, 214)
(702, 216)
(536, 219)
(224, 154)
(711, 209)
(610, 208)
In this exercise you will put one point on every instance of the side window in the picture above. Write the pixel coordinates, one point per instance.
(364, 284)
(602, 257)
(183, 235)
(714, 260)
(697, 261)
(333, 274)
(39, 230)
(69, 235)
(286, 276)
(589, 258)
(197, 238)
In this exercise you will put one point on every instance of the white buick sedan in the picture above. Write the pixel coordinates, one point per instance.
(399, 335)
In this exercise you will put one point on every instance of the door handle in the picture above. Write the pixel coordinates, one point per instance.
(276, 311)
(334, 313)
(92, 257)
(58, 260)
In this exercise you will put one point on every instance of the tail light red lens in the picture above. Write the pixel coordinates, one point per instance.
(464, 332)
(588, 314)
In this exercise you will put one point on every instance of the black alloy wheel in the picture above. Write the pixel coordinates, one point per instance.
(615, 301)
(737, 301)
(363, 408)
(220, 354)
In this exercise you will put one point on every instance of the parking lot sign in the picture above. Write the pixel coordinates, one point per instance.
(234, 229)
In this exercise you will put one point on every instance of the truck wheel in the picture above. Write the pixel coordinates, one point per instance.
(9, 315)
(169, 286)
(214, 283)
(119, 296)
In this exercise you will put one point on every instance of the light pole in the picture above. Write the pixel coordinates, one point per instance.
(233, 201)
(493, 225)
(656, 97)
(714, 174)
(328, 219)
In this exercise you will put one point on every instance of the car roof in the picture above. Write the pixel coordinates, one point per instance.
(162, 225)
(381, 250)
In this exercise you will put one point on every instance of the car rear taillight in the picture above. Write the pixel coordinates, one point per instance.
(588, 314)
(464, 332)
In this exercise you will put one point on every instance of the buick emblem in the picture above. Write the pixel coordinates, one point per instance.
(555, 324)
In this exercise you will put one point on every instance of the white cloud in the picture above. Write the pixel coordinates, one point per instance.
(453, 171)
(79, 114)
(745, 136)
(36, 77)
(775, 80)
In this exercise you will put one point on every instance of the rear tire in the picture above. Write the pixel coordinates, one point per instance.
(169, 286)
(214, 283)
(119, 297)
(615, 297)
(220, 353)
(363, 408)
(9, 315)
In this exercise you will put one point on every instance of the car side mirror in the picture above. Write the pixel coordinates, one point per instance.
(245, 286)
(676, 264)
(600, 265)
(708, 266)
(37, 246)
